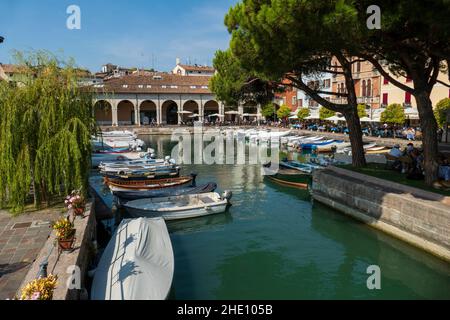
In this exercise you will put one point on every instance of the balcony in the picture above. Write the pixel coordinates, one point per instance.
(368, 100)
(339, 100)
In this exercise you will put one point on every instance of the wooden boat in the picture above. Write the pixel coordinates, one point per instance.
(145, 175)
(377, 150)
(179, 207)
(288, 183)
(166, 192)
(137, 264)
(150, 184)
(303, 167)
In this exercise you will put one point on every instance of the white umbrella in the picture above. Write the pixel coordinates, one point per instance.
(335, 118)
(294, 117)
(367, 119)
(312, 118)
(193, 115)
(232, 112)
(216, 115)
(184, 112)
(249, 115)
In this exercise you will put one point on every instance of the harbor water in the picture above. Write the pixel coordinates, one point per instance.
(275, 243)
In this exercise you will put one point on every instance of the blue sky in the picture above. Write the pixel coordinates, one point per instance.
(134, 33)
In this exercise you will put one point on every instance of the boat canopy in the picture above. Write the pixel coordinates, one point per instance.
(137, 264)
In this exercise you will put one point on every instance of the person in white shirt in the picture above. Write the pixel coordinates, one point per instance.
(395, 151)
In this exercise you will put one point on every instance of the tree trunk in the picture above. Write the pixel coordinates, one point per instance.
(429, 137)
(356, 138)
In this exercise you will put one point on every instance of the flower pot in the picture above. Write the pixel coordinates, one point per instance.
(66, 244)
(78, 211)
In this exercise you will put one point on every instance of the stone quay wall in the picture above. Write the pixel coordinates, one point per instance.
(416, 216)
(62, 263)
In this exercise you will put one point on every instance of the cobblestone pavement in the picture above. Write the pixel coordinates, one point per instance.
(21, 240)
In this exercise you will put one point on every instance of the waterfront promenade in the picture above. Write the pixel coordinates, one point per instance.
(21, 240)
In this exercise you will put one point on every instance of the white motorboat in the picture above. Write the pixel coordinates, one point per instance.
(180, 207)
(137, 264)
(110, 156)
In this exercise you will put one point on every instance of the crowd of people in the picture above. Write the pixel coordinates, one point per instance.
(410, 162)
(375, 130)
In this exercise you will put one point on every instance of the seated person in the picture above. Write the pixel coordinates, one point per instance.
(395, 151)
(409, 149)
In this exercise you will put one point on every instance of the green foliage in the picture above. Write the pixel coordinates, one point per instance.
(303, 113)
(440, 111)
(229, 78)
(325, 113)
(394, 114)
(268, 110)
(284, 112)
(362, 111)
(45, 130)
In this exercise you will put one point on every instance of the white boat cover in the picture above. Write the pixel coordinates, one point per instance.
(137, 264)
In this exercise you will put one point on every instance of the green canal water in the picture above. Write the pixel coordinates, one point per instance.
(274, 243)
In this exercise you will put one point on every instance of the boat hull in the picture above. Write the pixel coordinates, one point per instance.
(152, 184)
(167, 192)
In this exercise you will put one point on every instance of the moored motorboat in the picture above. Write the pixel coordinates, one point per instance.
(137, 264)
(179, 207)
(303, 167)
(149, 184)
(165, 192)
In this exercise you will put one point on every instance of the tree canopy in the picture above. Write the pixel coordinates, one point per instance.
(303, 113)
(440, 111)
(325, 113)
(45, 130)
(394, 114)
(362, 112)
(268, 110)
(284, 112)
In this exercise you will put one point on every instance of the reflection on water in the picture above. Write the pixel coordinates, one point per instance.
(273, 243)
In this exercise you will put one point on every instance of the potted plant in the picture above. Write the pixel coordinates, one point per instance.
(65, 233)
(76, 203)
(40, 289)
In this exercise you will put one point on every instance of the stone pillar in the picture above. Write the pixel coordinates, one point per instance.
(241, 111)
(158, 113)
(180, 108)
(258, 113)
(115, 121)
(137, 116)
(201, 111)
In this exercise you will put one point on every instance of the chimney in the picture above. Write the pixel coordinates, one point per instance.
(178, 61)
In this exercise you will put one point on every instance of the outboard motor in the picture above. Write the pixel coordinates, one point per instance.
(194, 176)
(227, 194)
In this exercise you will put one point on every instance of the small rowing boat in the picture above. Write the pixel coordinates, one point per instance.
(166, 192)
(150, 184)
(180, 207)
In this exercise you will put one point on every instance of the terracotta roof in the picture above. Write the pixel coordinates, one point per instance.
(197, 68)
(10, 68)
(157, 83)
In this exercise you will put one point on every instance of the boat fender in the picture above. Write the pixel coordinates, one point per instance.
(227, 194)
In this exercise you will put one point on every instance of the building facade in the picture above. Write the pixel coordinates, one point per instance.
(192, 70)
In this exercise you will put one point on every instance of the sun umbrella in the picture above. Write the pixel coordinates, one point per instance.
(232, 112)
(184, 112)
(335, 118)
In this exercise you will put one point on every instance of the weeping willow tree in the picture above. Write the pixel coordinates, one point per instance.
(45, 129)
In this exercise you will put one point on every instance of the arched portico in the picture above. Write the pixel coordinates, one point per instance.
(148, 112)
(125, 113)
(103, 113)
(209, 108)
(191, 106)
(250, 109)
(169, 112)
